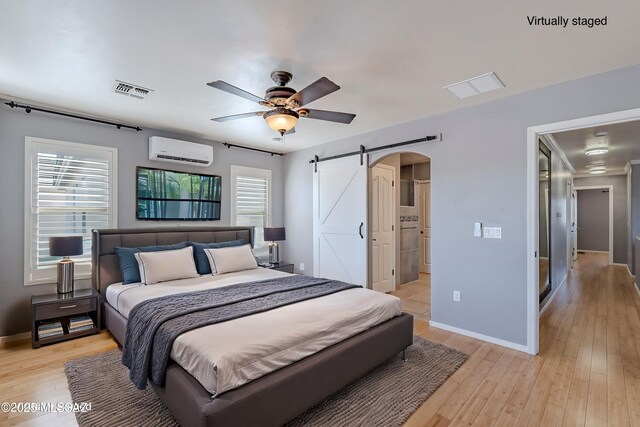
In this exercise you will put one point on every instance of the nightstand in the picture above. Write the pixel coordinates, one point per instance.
(49, 309)
(283, 266)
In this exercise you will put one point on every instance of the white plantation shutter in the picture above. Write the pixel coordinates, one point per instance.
(251, 202)
(70, 191)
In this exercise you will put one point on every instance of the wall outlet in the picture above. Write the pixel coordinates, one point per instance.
(456, 296)
(301, 266)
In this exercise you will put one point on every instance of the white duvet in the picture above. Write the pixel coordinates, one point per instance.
(229, 354)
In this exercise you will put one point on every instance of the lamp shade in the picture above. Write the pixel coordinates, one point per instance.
(274, 234)
(65, 246)
(281, 119)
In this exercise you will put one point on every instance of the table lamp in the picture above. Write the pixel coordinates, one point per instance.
(65, 247)
(274, 235)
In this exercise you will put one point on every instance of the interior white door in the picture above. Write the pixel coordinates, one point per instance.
(574, 226)
(424, 197)
(340, 220)
(383, 253)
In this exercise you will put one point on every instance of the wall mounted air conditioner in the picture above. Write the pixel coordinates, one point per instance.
(176, 151)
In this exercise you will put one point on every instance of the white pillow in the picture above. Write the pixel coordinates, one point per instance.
(230, 259)
(162, 266)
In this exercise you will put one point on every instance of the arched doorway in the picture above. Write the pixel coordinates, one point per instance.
(400, 229)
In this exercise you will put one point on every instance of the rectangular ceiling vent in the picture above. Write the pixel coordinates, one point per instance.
(131, 90)
(475, 86)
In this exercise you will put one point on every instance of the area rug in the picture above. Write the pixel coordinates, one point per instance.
(385, 396)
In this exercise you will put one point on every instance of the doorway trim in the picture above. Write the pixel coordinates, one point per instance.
(610, 188)
(533, 133)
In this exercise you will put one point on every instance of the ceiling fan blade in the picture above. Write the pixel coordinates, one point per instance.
(238, 116)
(290, 131)
(321, 87)
(219, 84)
(330, 116)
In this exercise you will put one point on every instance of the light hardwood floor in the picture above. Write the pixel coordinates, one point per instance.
(587, 372)
(416, 297)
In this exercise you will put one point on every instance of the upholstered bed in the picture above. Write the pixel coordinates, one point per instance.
(271, 399)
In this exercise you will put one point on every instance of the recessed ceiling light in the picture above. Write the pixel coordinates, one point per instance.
(598, 171)
(601, 133)
(596, 151)
(475, 86)
(599, 164)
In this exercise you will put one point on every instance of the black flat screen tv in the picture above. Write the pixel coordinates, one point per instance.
(177, 196)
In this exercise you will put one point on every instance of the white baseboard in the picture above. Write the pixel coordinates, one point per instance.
(553, 295)
(621, 264)
(18, 337)
(492, 340)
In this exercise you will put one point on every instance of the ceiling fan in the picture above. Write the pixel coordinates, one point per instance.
(285, 103)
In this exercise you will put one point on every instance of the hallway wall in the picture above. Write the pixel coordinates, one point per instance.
(621, 231)
(593, 220)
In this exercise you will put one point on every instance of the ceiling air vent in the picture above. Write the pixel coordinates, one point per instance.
(131, 90)
(475, 86)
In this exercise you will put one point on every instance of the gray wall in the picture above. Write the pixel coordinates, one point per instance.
(621, 240)
(478, 174)
(593, 220)
(132, 151)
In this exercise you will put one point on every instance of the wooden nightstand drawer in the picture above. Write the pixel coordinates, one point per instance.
(64, 308)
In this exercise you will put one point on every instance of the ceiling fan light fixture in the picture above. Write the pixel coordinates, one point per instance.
(596, 151)
(281, 119)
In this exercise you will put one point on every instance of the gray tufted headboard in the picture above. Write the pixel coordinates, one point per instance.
(106, 269)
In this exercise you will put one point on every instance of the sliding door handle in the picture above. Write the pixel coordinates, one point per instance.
(360, 230)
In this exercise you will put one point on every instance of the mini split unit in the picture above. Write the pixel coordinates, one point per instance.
(176, 151)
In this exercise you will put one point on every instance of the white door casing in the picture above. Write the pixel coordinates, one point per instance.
(424, 197)
(340, 220)
(574, 226)
(383, 253)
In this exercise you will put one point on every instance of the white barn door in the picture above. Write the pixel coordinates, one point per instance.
(340, 220)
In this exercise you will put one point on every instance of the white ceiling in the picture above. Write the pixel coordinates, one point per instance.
(623, 141)
(390, 58)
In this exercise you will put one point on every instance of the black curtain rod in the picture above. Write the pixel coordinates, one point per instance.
(382, 147)
(29, 108)
(228, 145)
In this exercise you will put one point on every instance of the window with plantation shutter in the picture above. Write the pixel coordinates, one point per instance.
(70, 190)
(251, 202)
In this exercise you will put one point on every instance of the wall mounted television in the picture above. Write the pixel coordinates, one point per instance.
(165, 195)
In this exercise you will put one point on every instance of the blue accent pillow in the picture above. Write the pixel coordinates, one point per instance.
(202, 262)
(128, 264)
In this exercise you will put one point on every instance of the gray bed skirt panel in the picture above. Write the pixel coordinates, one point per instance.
(115, 322)
(280, 396)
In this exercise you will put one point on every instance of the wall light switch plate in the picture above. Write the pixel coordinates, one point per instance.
(477, 229)
(302, 266)
(493, 232)
(456, 296)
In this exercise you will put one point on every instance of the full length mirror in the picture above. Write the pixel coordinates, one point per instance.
(544, 173)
